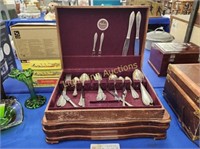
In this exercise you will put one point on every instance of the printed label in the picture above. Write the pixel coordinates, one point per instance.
(102, 24)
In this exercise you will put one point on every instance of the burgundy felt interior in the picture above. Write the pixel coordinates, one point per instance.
(76, 28)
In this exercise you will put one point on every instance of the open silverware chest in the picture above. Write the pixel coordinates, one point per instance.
(96, 96)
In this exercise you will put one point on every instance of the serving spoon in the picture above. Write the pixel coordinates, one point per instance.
(146, 98)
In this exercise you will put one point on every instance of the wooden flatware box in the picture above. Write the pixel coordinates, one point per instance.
(182, 92)
(76, 28)
(163, 54)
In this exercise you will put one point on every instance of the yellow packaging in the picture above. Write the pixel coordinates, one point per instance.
(47, 73)
(41, 64)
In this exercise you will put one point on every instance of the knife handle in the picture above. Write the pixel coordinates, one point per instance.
(94, 43)
(130, 24)
(138, 22)
(101, 42)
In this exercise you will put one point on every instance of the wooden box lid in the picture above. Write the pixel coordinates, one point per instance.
(177, 48)
(77, 26)
(187, 76)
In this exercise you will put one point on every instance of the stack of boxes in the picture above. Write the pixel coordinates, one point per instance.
(37, 48)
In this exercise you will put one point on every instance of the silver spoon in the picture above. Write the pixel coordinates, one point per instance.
(84, 77)
(133, 91)
(124, 91)
(114, 78)
(75, 81)
(100, 94)
(146, 98)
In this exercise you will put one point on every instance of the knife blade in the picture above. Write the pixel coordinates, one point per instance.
(127, 40)
(137, 37)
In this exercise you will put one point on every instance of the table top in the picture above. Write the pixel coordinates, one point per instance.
(29, 133)
(165, 21)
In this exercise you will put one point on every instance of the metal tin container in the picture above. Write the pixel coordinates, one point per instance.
(158, 35)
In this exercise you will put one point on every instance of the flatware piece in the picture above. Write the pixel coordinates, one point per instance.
(127, 40)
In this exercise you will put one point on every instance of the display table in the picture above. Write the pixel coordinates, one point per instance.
(18, 20)
(29, 134)
(158, 21)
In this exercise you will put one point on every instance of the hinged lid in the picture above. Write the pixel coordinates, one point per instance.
(77, 27)
(176, 47)
(187, 76)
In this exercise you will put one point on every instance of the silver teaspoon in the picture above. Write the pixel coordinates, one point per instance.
(84, 77)
(133, 91)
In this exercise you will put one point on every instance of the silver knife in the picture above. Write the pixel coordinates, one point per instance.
(94, 43)
(127, 40)
(101, 42)
(137, 38)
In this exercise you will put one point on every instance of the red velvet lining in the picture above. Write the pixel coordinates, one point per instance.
(91, 88)
(76, 28)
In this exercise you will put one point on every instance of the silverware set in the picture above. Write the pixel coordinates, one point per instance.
(101, 96)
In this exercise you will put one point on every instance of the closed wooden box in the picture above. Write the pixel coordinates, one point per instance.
(163, 54)
(182, 92)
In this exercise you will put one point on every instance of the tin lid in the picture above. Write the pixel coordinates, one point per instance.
(159, 36)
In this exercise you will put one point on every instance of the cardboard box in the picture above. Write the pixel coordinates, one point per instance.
(106, 119)
(35, 41)
(44, 82)
(7, 58)
(48, 64)
(47, 73)
(163, 54)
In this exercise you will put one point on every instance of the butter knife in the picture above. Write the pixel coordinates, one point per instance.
(137, 37)
(101, 43)
(127, 40)
(94, 43)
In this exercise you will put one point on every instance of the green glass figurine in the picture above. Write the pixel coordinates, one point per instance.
(35, 101)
